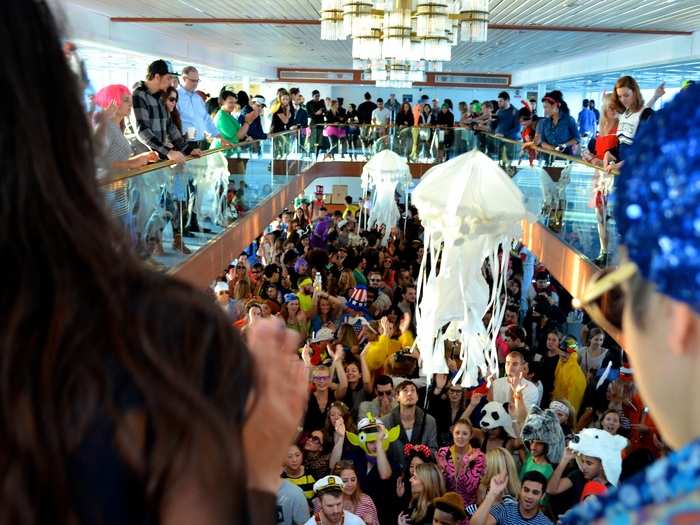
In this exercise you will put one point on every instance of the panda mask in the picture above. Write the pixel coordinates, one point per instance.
(494, 415)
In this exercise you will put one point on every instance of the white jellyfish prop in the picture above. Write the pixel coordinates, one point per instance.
(470, 209)
(384, 174)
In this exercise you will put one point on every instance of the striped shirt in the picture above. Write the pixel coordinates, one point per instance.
(509, 514)
(305, 483)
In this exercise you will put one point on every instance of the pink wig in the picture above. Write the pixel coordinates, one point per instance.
(112, 93)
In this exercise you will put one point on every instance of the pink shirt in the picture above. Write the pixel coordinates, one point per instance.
(467, 482)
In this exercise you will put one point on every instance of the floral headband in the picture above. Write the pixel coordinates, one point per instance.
(418, 450)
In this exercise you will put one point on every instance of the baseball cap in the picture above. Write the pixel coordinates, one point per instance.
(161, 67)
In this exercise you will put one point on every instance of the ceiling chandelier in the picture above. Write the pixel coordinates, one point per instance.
(397, 37)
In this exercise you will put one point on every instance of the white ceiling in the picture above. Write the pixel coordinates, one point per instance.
(505, 51)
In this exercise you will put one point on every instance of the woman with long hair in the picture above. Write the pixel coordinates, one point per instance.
(414, 455)
(426, 485)
(404, 121)
(294, 317)
(461, 464)
(334, 133)
(598, 149)
(173, 197)
(316, 458)
(127, 397)
(325, 313)
(282, 120)
(338, 410)
(569, 379)
(354, 500)
(593, 356)
(628, 101)
(498, 460)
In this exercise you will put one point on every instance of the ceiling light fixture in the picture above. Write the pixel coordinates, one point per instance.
(418, 34)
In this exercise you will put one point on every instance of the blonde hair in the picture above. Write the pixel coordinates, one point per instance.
(606, 124)
(433, 487)
(346, 281)
(500, 460)
(242, 290)
(320, 368)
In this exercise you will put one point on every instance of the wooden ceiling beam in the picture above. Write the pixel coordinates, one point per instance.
(315, 22)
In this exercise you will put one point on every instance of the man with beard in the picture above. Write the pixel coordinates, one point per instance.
(329, 491)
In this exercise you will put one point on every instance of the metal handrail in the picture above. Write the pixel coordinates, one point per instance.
(553, 153)
(165, 163)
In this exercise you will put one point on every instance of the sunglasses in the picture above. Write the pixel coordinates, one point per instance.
(172, 99)
(604, 298)
(315, 439)
(384, 394)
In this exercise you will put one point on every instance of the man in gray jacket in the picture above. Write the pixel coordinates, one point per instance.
(417, 426)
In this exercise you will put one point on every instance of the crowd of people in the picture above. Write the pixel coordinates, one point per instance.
(397, 444)
(351, 298)
(167, 117)
(131, 397)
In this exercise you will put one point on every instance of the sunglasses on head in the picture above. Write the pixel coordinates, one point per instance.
(604, 298)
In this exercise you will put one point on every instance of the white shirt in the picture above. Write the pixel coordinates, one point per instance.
(348, 519)
(628, 122)
(381, 116)
(503, 394)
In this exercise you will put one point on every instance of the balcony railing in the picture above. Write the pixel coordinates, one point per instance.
(229, 188)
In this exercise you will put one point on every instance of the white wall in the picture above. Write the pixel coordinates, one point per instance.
(355, 93)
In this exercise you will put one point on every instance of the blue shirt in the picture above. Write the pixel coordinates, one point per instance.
(565, 130)
(255, 130)
(586, 121)
(508, 123)
(193, 113)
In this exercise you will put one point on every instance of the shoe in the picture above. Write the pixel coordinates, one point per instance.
(206, 230)
(179, 245)
(188, 233)
(601, 260)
